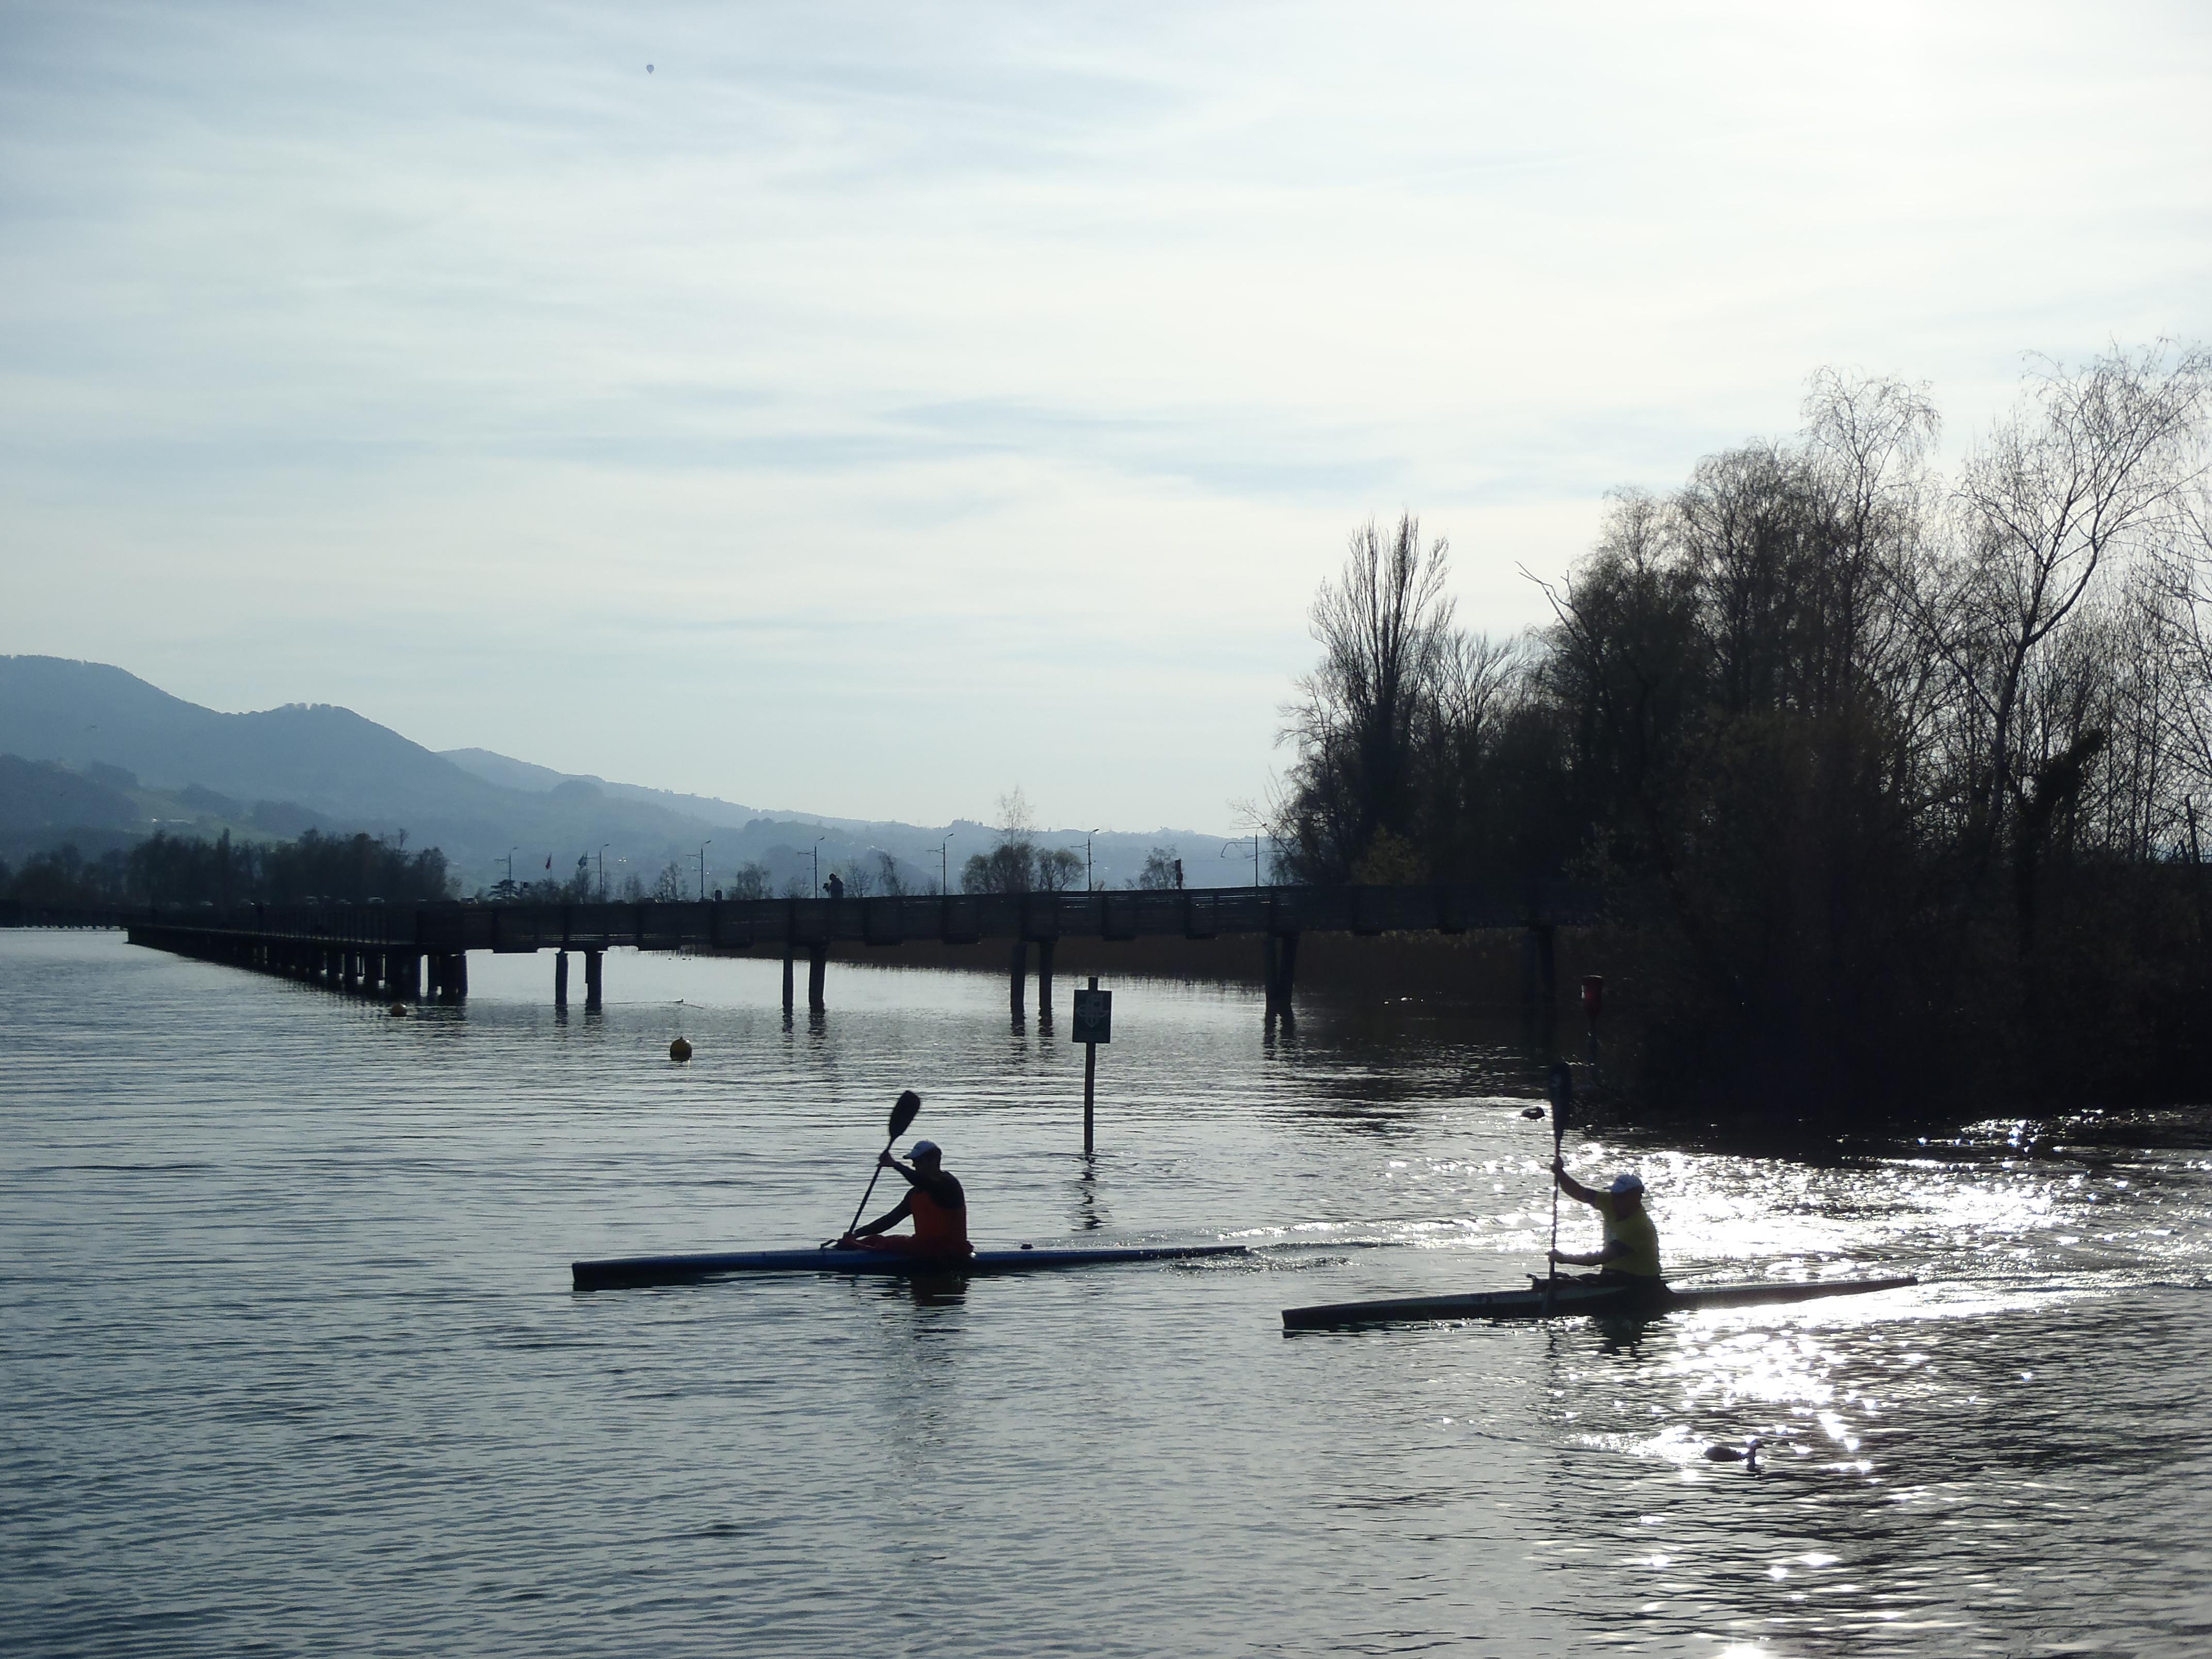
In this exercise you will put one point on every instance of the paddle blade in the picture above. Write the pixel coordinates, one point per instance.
(1562, 1090)
(903, 1113)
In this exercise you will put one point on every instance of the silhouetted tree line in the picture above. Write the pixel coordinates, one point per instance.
(166, 869)
(579, 886)
(1893, 783)
(1016, 864)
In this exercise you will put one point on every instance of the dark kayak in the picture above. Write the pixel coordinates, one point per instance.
(1579, 1298)
(682, 1269)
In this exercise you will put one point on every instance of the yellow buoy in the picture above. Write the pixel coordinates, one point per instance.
(400, 1011)
(679, 1049)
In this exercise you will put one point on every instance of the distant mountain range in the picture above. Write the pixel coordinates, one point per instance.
(93, 755)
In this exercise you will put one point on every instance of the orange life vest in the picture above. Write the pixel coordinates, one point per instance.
(937, 1229)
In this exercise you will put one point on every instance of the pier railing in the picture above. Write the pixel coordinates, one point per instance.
(13, 913)
(958, 918)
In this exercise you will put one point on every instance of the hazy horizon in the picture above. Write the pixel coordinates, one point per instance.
(877, 409)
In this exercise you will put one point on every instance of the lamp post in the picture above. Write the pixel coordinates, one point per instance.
(1228, 846)
(603, 870)
(816, 851)
(1088, 835)
(703, 846)
(510, 870)
(944, 866)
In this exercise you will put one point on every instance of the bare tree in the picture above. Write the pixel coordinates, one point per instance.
(2098, 465)
(1058, 870)
(1381, 626)
(751, 881)
(1160, 871)
(2178, 599)
(1010, 867)
(1867, 442)
(1474, 682)
(1015, 820)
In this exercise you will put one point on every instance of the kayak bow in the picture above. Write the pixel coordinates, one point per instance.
(684, 1269)
(1599, 1301)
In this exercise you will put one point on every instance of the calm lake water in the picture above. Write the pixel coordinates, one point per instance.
(292, 1364)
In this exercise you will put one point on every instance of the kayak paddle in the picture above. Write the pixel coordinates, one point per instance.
(903, 1116)
(1562, 1089)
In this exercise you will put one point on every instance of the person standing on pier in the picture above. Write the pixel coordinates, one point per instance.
(935, 1200)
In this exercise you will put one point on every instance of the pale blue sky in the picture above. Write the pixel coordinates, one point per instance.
(876, 406)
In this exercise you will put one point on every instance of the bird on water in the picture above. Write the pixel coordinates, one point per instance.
(1747, 1455)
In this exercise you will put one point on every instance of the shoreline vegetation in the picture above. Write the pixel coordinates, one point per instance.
(166, 869)
(1893, 783)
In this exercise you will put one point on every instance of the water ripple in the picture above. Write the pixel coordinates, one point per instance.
(293, 1363)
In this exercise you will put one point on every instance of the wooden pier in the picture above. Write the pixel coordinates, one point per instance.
(406, 952)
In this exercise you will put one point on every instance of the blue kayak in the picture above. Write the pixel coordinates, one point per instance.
(637, 1270)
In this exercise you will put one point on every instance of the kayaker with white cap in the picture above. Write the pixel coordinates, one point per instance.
(1631, 1250)
(933, 1198)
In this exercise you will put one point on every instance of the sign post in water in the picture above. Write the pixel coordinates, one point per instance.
(1094, 1024)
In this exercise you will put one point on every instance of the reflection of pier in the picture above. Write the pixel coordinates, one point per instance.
(410, 951)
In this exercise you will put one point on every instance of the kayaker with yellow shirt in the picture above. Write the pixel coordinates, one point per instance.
(1631, 1250)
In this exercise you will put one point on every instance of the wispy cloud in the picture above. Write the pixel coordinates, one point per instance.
(989, 385)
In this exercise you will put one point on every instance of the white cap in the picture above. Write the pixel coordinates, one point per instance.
(1626, 1183)
(923, 1147)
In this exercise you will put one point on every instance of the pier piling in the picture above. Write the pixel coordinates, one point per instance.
(453, 975)
(560, 979)
(1540, 986)
(591, 981)
(1279, 968)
